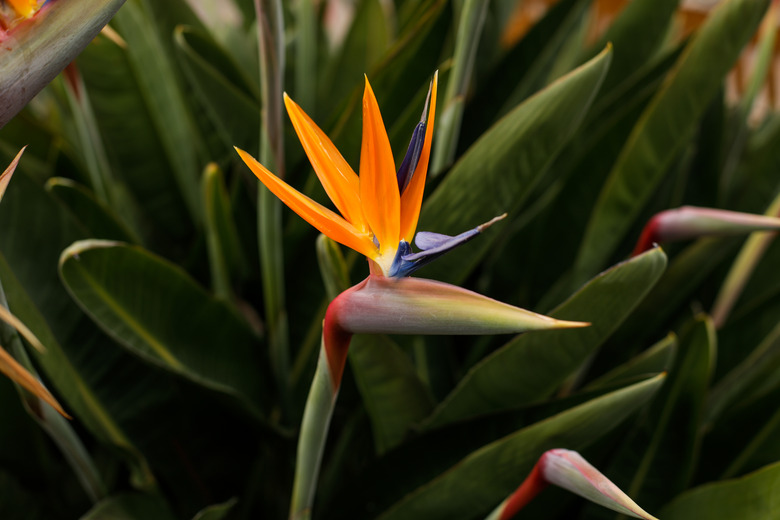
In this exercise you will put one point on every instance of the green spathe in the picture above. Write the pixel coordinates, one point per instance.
(380, 305)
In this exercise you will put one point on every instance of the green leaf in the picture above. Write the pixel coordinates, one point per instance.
(636, 34)
(129, 131)
(228, 97)
(99, 220)
(755, 376)
(217, 511)
(531, 366)
(130, 506)
(656, 359)
(485, 477)
(365, 44)
(226, 257)
(392, 392)
(156, 311)
(155, 72)
(523, 70)
(505, 164)
(665, 127)
(467, 38)
(35, 296)
(752, 496)
(671, 434)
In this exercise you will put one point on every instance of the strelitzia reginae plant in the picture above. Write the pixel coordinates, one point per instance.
(381, 210)
(196, 336)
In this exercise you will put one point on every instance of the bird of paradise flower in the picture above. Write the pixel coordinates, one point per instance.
(379, 212)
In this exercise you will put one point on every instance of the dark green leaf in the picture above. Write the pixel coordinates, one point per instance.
(505, 164)
(483, 479)
(751, 497)
(665, 127)
(156, 311)
(532, 366)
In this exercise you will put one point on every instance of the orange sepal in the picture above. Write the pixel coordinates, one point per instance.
(325, 220)
(411, 201)
(378, 185)
(341, 183)
(26, 8)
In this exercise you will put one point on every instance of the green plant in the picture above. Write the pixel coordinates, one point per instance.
(180, 308)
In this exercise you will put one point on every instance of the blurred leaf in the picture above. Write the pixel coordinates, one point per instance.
(333, 268)
(217, 511)
(467, 38)
(665, 126)
(226, 257)
(227, 95)
(531, 366)
(481, 480)
(742, 269)
(752, 496)
(505, 164)
(130, 133)
(523, 70)
(670, 437)
(154, 70)
(130, 506)
(636, 34)
(757, 375)
(160, 314)
(658, 358)
(364, 46)
(95, 217)
(392, 392)
(74, 381)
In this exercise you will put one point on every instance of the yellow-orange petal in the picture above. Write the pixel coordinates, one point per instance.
(341, 183)
(17, 373)
(5, 178)
(411, 200)
(325, 220)
(26, 8)
(378, 184)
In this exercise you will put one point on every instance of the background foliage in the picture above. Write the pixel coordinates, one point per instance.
(131, 247)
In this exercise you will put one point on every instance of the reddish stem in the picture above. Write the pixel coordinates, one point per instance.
(531, 486)
(336, 339)
(648, 237)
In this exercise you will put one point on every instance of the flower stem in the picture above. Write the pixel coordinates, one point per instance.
(311, 443)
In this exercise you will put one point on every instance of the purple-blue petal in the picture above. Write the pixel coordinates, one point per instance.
(433, 245)
(425, 240)
(412, 157)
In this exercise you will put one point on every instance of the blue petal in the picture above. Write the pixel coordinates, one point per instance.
(433, 245)
(412, 157)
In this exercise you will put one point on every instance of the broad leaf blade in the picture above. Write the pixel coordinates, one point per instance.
(506, 163)
(665, 127)
(752, 496)
(481, 480)
(395, 397)
(531, 366)
(156, 311)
